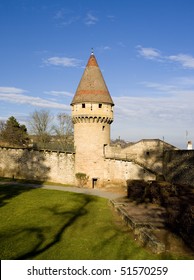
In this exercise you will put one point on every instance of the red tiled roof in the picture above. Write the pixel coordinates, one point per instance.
(92, 87)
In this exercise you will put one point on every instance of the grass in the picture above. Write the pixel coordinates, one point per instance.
(49, 224)
(25, 181)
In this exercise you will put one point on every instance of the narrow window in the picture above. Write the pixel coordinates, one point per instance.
(103, 128)
(99, 105)
(83, 105)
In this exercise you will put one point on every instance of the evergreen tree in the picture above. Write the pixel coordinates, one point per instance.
(13, 133)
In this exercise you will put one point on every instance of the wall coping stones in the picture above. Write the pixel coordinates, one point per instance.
(142, 228)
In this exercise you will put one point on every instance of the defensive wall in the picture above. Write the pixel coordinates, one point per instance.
(117, 171)
(147, 153)
(176, 165)
(43, 165)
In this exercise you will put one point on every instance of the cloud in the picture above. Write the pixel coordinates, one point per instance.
(150, 110)
(185, 81)
(90, 19)
(182, 85)
(59, 14)
(187, 61)
(65, 17)
(148, 53)
(62, 61)
(111, 17)
(104, 48)
(12, 90)
(121, 44)
(59, 93)
(165, 88)
(174, 106)
(15, 95)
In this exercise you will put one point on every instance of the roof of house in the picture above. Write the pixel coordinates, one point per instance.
(92, 87)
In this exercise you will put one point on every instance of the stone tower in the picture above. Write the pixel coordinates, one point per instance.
(92, 113)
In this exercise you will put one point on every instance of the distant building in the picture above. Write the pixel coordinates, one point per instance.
(189, 145)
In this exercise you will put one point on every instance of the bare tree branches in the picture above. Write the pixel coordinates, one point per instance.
(64, 131)
(41, 126)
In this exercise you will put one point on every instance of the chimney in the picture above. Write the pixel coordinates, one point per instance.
(189, 145)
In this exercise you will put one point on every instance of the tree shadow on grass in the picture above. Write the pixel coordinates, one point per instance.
(22, 163)
(43, 243)
(11, 190)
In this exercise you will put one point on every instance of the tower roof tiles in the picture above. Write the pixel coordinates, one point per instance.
(92, 87)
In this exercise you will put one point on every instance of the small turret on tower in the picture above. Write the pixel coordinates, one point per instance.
(92, 114)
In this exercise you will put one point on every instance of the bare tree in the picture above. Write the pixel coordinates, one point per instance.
(41, 126)
(2, 127)
(64, 131)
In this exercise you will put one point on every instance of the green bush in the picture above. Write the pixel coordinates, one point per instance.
(82, 179)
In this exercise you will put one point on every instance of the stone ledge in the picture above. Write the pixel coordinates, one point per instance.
(142, 229)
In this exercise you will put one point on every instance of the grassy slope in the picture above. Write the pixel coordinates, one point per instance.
(46, 224)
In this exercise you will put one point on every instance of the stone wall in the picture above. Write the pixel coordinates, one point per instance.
(148, 153)
(179, 166)
(59, 167)
(40, 165)
(117, 172)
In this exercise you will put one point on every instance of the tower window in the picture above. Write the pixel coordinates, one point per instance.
(83, 105)
(99, 105)
(103, 128)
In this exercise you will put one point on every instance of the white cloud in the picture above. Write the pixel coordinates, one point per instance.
(175, 106)
(185, 81)
(62, 61)
(111, 17)
(70, 21)
(165, 88)
(59, 14)
(90, 19)
(181, 86)
(12, 90)
(59, 93)
(121, 44)
(187, 61)
(104, 48)
(14, 95)
(156, 111)
(148, 53)
(65, 17)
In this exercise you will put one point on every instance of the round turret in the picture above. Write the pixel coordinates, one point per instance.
(92, 114)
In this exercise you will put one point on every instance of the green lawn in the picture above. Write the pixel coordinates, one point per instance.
(48, 224)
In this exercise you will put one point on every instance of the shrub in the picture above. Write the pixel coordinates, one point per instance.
(82, 178)
(137, 189)
(178, 201)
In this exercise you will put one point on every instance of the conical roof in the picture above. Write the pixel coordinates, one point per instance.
(92, 87)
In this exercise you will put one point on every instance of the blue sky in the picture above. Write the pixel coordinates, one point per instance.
(143, 47)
